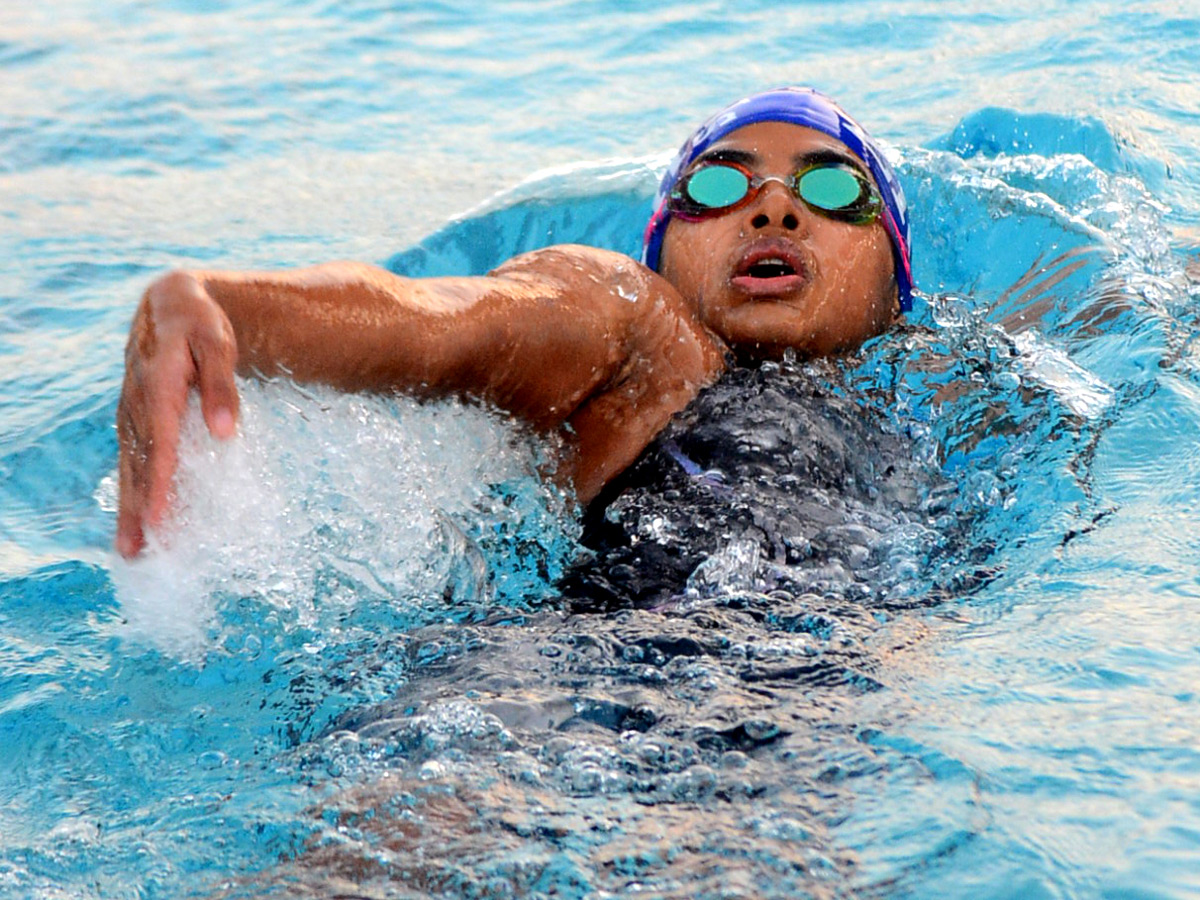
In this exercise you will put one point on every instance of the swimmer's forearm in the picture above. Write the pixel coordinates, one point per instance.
(344, 324)
(539, 337)
(359, 328)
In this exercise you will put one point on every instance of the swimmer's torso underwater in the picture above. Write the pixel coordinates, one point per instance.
(774, 479)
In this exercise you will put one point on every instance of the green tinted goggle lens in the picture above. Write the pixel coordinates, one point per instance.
(834, 190)
(714, 187)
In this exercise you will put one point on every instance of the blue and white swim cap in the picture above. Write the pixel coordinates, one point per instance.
(812, 109)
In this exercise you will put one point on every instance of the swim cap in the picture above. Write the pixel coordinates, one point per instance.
(812, 109)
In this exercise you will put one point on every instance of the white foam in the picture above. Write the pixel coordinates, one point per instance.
(1085, 394)
(323, 501)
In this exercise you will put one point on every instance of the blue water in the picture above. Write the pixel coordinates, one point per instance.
(346, 668)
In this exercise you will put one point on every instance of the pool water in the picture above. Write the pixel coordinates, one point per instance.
(346, 669)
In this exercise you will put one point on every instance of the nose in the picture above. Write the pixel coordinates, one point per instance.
(774, 205)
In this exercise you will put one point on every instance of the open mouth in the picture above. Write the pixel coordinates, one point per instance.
(771, 267)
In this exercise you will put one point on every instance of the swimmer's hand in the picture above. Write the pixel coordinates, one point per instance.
(180, 338)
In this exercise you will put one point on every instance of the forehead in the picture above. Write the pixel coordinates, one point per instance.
(780, 143)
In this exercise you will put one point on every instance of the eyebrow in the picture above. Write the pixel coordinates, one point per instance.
(727, 154)
(828, 155)
(800, 160)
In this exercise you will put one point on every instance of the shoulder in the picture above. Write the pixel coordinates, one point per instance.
(578, 267)
(568, 254)
(613, 288)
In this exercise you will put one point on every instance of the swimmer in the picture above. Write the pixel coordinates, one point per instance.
(779, 225)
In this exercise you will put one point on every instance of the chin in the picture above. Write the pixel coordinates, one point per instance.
(751, 351)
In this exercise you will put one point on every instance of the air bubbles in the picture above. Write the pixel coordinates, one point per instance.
(588, 769)
(732, 567)
(692, 785)
(781, 827)
(432, 769)
(449, 727)
(734, 760)
(252, 647)
(212, 759)
(76, 832)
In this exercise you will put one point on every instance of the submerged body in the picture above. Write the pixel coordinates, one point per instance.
(774, 479)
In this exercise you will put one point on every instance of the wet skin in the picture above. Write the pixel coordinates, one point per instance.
(837, 289)
(550, 336)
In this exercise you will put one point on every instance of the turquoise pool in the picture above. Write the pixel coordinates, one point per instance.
(347, 671)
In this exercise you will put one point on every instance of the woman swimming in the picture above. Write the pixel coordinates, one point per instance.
(779, 226)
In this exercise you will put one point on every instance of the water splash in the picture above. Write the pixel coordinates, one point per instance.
(328, 505)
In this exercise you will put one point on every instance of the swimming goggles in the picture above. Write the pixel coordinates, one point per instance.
(831, 189)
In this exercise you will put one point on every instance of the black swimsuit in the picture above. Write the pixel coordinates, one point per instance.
(775, 478)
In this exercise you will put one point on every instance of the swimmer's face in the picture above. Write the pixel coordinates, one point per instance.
(836, 286)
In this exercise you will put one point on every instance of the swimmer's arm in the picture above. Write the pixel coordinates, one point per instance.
(567, 336)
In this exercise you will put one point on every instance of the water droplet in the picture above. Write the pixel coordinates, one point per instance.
(211, 759)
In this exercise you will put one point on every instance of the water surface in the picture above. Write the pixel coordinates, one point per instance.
(351, 670)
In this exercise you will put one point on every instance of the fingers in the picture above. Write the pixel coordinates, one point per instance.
(168, 402)
(215, 357)
(130, 537)
(148, 423)
(180, 338)
(132, 455)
